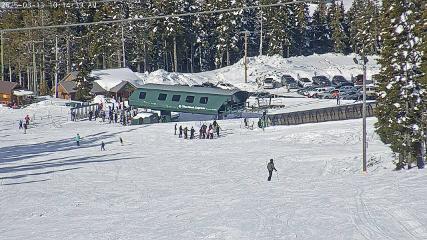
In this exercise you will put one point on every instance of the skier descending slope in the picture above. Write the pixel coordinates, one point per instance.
(270, 168)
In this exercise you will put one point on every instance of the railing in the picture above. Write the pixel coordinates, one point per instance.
(83, 111)
(322, 115)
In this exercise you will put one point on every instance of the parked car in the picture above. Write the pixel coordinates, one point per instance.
(321, 81)
(331, 93)
(268, 83)
(315, 92)
(352, 95)
(289, 81)
(358, 80)
(304, 91)
(339, 80)
(304, 82)
(347, 89)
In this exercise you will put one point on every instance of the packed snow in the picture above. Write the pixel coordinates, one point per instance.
(158, 186)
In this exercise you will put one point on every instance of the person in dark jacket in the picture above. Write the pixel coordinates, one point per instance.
(185, 133)
(21, 124)
(176, 127)
(90, 115)
(270, 168)
(180, 132)
(192, 133)
(102, 146)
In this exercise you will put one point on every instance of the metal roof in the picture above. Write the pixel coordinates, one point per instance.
(69, 86)
(96, 88)
(120, 86)
(7, 87)
(188, 89)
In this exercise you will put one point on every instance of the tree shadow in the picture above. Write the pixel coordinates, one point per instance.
(26, 151)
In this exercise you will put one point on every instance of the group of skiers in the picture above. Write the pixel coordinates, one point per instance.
(24, 124)
(205, 132)
(116, 113)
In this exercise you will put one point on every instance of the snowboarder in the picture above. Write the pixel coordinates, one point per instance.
(78, 139)
(175, 128)
(121, 141)
(20, 124)
(192, 133)
(180, 132)
(102, 146)
(270, 168)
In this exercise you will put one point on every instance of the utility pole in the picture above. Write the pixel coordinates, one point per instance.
(123, 46)
(364, 59)
(2, 56)
(34, 70)
(56, 66)
(246, 56)
(260, 36)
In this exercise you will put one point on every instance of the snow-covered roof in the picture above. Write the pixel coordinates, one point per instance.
(21, 93)
(109, 78)
(143, 115)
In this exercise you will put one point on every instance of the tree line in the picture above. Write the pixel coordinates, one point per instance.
(186, 44)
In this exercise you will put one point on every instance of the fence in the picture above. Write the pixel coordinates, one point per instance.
(83, 111)
(322, 115)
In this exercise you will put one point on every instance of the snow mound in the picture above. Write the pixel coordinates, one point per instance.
(110, 78)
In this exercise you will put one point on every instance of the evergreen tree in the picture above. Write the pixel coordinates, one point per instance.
(402, 98)
(320, 31)
(339, 37)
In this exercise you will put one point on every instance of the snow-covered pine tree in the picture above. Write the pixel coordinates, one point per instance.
(402, 98)
(227, 31)
(276, 25)
(320, 34)
(339, 37)
(302, 41)
(363, 18)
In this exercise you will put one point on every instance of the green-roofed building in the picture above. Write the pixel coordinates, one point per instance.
(178, 98)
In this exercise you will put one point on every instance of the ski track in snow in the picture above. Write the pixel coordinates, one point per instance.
(157, 186)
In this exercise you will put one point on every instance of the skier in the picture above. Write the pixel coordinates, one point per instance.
(270, 168)
(90, 115)
(180, 132)
(27, 119)
(175, 128)
(116, 117)
(25, 128)
(185, 133)
(201, 133)
(245, 120)
(217, 130)
(102, 146)
(78, 139)
(121, 141)
(20, 124)
(192, 133)
(211, 132)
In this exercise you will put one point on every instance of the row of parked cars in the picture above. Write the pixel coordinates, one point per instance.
(322, 87)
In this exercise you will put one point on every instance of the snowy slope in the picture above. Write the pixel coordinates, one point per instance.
(158, 186)
(261, 66)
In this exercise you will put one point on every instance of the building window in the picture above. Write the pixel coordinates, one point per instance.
(176, 98)
(189, 99)
(162, 96)
(204, 100)
(142, 95)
